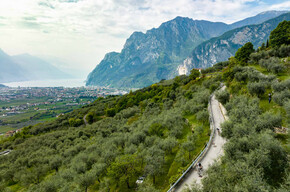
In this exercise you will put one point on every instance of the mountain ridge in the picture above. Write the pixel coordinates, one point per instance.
(25, 67)
(220, 48)
(148, 57)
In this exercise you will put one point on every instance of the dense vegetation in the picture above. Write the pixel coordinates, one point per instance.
(156, 131)
(256, 156)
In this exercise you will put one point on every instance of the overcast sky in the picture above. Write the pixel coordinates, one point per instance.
(81, 31)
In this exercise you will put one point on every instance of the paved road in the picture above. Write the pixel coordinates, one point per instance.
(85, 119)
(214, 152)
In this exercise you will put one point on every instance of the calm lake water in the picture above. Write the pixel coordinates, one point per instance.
(49, 83)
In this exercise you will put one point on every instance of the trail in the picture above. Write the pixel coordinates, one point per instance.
(85, 119)
(215, 150)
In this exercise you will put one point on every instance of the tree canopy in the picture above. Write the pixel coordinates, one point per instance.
(280, 35)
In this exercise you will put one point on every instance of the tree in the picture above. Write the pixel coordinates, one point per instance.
(263, 47)
(99, 169)
(280, 35)
(125, 168)
(55, 163)
(223, 96)
(90, 117)
(243, 53)
(85, 180)
(154, 162)
(111, 112)
(194, 73)
(256, 88)
(189, 147)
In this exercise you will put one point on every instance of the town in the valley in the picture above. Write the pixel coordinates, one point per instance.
(24, 106)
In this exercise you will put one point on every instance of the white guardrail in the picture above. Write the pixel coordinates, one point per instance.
(5, 152)
(203, 152)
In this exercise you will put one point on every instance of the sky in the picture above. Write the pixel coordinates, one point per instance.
(78, 33)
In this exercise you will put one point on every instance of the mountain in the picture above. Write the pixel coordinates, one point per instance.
(2, 86)
(26, 67)
(258, 19)
(148, 58)
(66, 66)
(221, 48)
(9, 70)
(39, 69)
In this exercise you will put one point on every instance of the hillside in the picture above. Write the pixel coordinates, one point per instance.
(2, 86)
(220, 48)
(148, 58)
(156, 131)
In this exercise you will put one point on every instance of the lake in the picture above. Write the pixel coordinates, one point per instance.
(48, 83)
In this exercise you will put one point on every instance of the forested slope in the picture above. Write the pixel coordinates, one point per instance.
(156, 131)
(257, 151)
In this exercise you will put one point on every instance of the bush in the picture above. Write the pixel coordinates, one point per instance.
(281, 97)
(111, 112)
(223, 96)
(272, 64)
(256, 57)
(202, 115)
(256, 88)
(287, 109)
(283, 51)
(281, 86)
(241, 76)
(243, 53)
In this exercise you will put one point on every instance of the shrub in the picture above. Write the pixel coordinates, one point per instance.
(241, 76)
(281, 86)
(111, 112)
(202, 115)
(272, 64)
(223, 96)
(283, 51)
(243, 53)
(256, 88)
(281, 97)
(256, 57)
(287, 109)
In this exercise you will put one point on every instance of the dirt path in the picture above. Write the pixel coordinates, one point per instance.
(216, 149)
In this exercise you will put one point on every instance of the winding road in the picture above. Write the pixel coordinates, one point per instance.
(215, 150)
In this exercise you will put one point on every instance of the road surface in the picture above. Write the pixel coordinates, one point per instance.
(215, 150)
(85, 119)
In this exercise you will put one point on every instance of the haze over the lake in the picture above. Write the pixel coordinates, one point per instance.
(81, 32)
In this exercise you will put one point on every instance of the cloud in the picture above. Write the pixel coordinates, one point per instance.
(82, 31)
(281, 6)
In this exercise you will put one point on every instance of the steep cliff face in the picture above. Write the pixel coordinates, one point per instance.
(221, 48)
(147, 58)
(157, 54)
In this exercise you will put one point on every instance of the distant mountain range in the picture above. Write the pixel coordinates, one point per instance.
(221, 48)
(2, 86)
(26, 67)
(159, 53)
